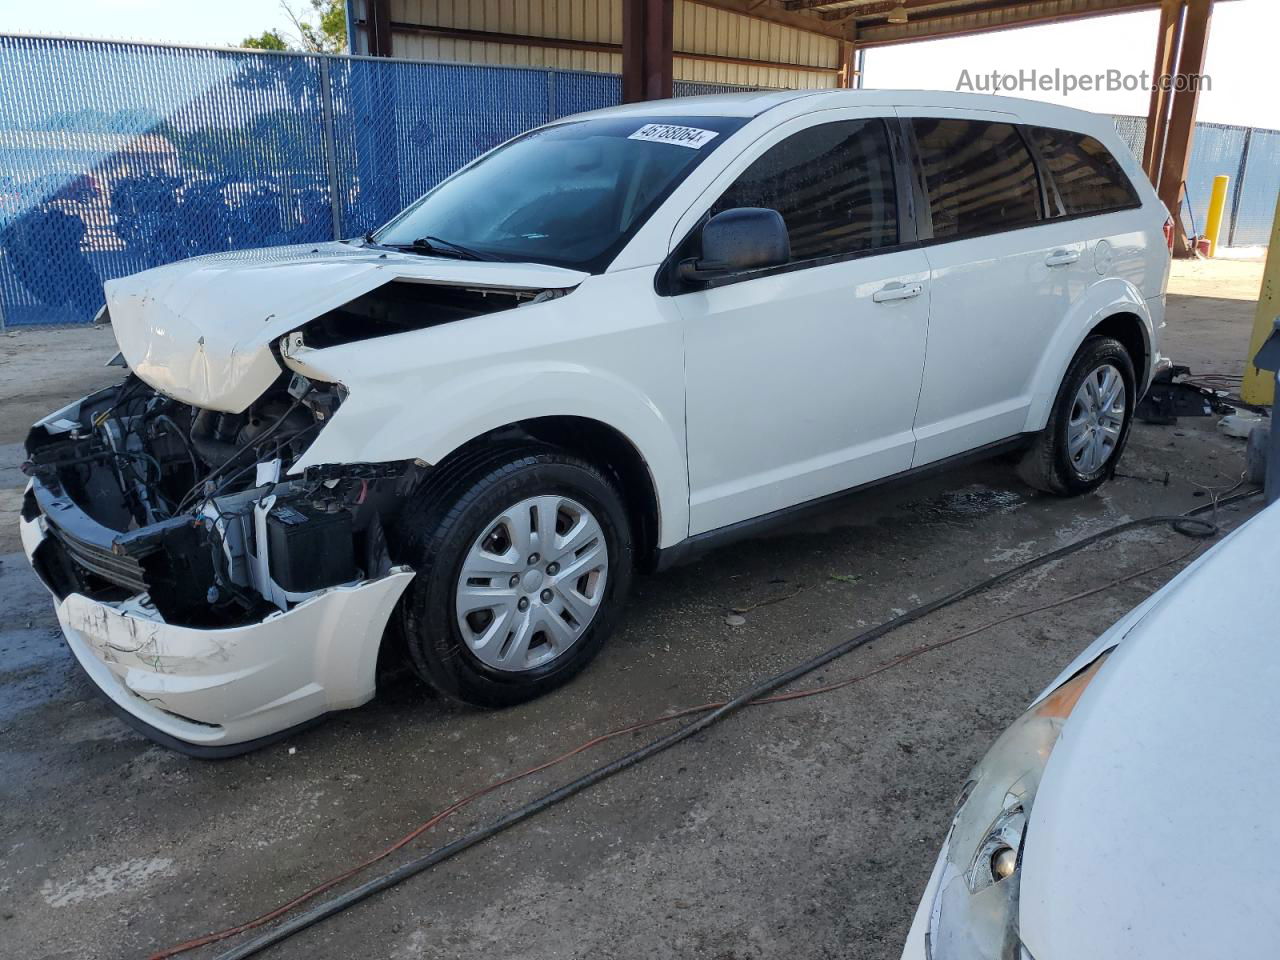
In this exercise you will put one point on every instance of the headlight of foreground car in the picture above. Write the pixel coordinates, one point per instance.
(975, 911)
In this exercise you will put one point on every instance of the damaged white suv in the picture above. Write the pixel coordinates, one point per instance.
(606, 343)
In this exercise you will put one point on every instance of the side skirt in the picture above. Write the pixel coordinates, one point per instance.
(695, 546)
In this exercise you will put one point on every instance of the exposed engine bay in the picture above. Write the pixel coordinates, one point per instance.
(192, 512)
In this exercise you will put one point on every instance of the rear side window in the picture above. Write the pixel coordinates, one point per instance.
(980, 177)
(1088, 178)
(832, 183)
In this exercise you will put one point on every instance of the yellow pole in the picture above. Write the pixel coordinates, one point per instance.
(1260, 385)
(1217, 204)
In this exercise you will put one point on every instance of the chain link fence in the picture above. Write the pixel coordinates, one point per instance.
(116, 157)
(1248, 155)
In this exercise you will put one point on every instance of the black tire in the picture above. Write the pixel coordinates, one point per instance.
(438, 527)
(1048, 465)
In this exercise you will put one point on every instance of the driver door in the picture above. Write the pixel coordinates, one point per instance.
(802, 380)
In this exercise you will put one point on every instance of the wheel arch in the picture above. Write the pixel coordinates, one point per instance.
(1112, 308)
(610, 449)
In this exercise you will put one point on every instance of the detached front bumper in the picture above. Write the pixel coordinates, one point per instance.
(223, 691)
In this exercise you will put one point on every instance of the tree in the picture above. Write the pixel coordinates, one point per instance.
(320, 26)
(268, 40)
(327, 33)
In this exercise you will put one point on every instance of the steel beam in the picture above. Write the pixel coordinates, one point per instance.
(592, 46)
(1168, 40)
(1182, 116)
(647, 66)
(786, 18)
(378, 27)
(987, 16)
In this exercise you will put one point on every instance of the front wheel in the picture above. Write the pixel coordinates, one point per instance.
(1089, 424)
(524, 557)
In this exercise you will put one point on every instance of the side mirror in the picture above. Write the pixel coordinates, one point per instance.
(737, 240)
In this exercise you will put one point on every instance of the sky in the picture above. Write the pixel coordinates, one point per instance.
(1242, 40)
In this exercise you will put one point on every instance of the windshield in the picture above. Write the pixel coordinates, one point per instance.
(570, 195)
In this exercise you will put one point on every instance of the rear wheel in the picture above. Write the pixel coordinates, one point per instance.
(524, 558)
(1089, 424)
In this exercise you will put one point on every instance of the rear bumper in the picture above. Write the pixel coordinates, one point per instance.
(1161, 365)
(223, 690)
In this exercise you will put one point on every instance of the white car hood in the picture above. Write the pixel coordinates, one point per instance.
(201, 330)
(1155, 833)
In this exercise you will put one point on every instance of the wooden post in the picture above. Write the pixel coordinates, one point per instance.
(1167, 41)
(848, 75)
(1182, 117)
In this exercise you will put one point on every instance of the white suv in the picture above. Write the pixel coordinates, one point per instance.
(604, 344)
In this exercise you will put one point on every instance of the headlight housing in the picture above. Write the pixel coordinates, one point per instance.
(974, 915)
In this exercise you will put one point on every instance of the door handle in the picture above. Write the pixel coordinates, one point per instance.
(897, 291)
(1062, 258)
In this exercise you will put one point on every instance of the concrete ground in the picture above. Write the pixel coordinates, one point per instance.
(804, 830)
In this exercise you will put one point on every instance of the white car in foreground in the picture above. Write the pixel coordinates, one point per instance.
(1130, 813)
(608, 342)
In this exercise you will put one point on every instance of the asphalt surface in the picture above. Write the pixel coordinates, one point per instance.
(805, 829)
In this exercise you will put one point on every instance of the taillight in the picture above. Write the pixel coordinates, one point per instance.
(1168, 234)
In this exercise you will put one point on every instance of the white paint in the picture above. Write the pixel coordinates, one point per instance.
(793, 385)
(125, 877)
(1153, 833)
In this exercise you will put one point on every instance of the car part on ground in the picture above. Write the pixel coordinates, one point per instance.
(1187, 524)
(1173, 394)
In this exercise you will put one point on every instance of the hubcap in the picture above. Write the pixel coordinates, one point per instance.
(1097, 417)
(531, 583)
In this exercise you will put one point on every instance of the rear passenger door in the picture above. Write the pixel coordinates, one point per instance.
(1094, 202)
(802, 379)
(1002, 278)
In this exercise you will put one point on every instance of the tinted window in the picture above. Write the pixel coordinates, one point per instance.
(1088, 178)
(833, 185)
(980, 176)
(571, 194)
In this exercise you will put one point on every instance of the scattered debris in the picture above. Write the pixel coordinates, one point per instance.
(734, 620)
(766, 602)
(846, 577)
(1239, 425)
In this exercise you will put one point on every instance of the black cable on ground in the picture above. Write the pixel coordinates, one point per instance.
(1188, 524)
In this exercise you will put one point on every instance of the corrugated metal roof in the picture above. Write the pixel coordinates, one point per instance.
(587, 35)
(792, 43)
(882, 22)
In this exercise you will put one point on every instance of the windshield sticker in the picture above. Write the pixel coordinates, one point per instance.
(691, 137)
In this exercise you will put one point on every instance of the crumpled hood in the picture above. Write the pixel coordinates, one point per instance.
(1154, 833)
(201, 330)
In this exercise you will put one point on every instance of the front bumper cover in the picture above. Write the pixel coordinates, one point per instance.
(222, 691)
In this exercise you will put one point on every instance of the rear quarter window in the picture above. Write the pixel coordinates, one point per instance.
(1088, 177)
(980, 177)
